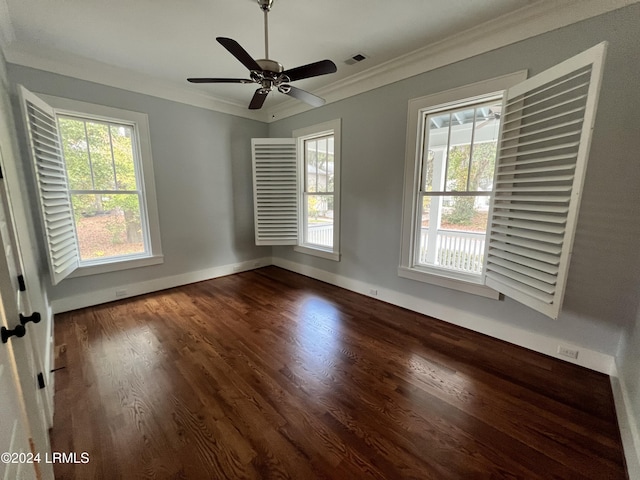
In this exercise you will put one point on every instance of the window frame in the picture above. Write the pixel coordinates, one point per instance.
(449, 99)
(144, 178)
(332, 127)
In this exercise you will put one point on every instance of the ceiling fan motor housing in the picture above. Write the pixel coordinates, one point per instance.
(270, 66)
(270, 76)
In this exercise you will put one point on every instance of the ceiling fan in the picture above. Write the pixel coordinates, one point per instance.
(270, 74)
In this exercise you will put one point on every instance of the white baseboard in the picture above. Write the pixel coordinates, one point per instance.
(629, 428)
(109, 294)
(591, 359)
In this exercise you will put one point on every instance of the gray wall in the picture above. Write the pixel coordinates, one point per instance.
(604, 278)
(202, 167)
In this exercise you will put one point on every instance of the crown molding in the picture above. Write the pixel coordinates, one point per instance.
(535, 19)
(83, 68)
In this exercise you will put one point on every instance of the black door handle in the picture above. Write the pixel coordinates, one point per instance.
(6, 334)
(19, 331)
(34, 317)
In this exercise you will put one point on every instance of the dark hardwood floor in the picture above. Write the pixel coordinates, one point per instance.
(269, 374)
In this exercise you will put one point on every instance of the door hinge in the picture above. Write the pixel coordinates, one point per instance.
(41, 384)
(21, 285)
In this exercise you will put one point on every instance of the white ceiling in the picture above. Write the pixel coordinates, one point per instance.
(171, 40)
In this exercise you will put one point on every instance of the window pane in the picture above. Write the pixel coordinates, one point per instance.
(448, 149)
(319, 159)
(485, 144)
(319, 220)
(454, 236)
(462, 122)
(100, 152)
(76, 155)
(311, 160)
(108, 225)
(121, 136)
(322, 165)
(434, 154)
(429, 162)
(330, 165)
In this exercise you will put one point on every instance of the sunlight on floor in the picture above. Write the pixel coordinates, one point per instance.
(317, 334)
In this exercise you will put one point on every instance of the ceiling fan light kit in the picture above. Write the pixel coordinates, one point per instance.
(270, 74)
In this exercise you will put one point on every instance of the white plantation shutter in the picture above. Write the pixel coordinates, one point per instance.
(275, 190)
(55, 204)
(546, 134)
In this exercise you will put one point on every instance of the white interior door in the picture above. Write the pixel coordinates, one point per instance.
(14, 427)
(21, 358)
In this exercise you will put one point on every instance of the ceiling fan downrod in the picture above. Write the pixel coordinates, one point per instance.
(265, 6)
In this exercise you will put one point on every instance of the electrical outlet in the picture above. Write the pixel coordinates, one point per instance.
(121, 293)
(568, 351)
(373, 292)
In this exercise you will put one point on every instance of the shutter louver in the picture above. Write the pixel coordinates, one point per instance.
(546, 133)
(55, 203)
(275, 188)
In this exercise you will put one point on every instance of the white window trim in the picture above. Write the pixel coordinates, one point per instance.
(407, 269)
(331, 127)
(66, 106)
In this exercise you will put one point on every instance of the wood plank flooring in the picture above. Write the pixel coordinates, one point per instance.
(269, 374)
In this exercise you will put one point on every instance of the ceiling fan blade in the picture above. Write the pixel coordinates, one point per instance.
(304, 96)
(258, 99)
(240, 53)
(218, 80)
(322, 67)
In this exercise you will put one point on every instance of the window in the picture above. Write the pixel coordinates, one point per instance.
(318, 192)
(319, 159)
(296, 185)
(95, 180)
(452, 144)
(458, 148)
(100, 161)
(487, 212)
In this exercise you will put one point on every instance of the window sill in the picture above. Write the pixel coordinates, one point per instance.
(118, 265)
(316, 252)
(466, 286)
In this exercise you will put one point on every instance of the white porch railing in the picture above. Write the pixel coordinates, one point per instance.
(321, 234)
(461, 251)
